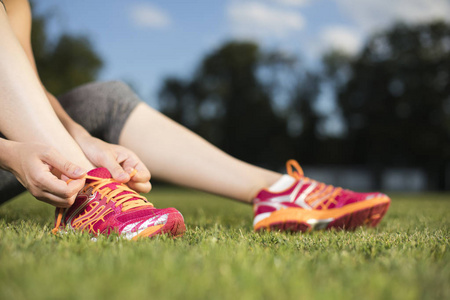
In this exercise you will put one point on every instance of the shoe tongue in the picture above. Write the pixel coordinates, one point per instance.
(100, 172)
(104, 173)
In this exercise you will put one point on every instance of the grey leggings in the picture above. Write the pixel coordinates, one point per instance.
(102, 108)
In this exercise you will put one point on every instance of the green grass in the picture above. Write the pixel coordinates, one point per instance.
(406, 257)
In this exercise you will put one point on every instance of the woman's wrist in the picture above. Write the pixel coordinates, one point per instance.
(77, 131)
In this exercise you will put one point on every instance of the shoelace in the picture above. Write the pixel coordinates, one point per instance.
(128, 200)
(293, 168)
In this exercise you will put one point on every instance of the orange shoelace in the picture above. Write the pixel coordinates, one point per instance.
(294, 170)
(128, 200)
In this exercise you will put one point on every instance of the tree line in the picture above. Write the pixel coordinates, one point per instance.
(392, 103)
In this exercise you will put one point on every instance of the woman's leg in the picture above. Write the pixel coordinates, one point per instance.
(112, 112)
(177, 155)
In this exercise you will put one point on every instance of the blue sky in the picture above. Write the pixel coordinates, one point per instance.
(143, 41)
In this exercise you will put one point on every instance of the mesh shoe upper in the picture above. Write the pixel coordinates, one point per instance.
(308, 204)
(106, 206)
(310, 194)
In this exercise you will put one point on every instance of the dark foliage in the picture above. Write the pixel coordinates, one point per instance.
(396, 101)
(229, 102)
(64, 63)
(394, 97)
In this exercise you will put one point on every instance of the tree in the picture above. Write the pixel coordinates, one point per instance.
(229, 102)
(65, 63)
(395, 97)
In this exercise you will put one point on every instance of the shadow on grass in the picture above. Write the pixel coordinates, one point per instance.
(26, 208)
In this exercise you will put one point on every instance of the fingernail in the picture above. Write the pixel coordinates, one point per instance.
(123, 175)
(78, 172)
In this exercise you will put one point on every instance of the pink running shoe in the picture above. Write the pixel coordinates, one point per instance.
(310, 205)
(105, 206)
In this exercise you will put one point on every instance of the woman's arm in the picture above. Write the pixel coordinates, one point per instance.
(23, 100)
(99, 153)
(38, 145)
(19, 15)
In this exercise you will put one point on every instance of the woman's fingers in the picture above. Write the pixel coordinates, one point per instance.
(110, 162)
(134, 163)
(54, 200)
(38, 167)
(140, 182)
(140, 187)
(60, 188)
(57, 161)
(120, 162)
(61, 192)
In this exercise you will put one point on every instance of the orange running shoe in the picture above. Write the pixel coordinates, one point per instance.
(105, 206)
(305, 204)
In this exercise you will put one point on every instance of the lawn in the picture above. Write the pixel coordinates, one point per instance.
(406, 257)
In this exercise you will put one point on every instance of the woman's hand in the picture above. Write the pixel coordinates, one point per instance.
(38, 167)
(119, 160)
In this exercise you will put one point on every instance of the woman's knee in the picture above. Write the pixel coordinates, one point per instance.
(101, 107)
(116, 90)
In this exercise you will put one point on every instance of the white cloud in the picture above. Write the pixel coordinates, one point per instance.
(292, 2)
(256, 20)
(340, 38)
(374, 14)
(149, 16)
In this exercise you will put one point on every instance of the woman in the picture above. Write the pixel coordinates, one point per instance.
(89, 154)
